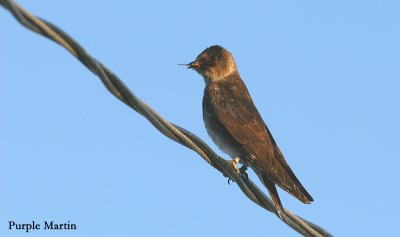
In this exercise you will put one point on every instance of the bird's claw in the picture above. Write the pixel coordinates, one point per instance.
(240, 171)
(243, 173)
(234, 163)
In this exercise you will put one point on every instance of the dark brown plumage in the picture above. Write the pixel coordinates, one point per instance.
(235, 125)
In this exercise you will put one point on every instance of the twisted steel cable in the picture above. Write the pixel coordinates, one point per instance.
(172, 131)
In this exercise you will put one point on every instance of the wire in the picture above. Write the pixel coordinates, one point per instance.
(174, 132)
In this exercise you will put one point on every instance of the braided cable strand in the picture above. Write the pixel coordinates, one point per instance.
(174, 132)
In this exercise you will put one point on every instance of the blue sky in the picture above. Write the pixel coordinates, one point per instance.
(324, 76)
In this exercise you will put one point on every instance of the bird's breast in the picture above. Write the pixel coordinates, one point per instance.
(215, 129)
(220, 137)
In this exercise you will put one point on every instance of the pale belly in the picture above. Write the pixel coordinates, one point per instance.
(219, 137)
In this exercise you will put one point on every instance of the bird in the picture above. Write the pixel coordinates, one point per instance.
(237, 128)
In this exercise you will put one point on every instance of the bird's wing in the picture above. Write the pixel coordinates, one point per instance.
(237, 113)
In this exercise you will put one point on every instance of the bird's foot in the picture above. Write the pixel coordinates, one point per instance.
(240, 171)
(234, 163)
(243, 172)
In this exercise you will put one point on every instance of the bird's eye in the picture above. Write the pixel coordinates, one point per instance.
(214, 58)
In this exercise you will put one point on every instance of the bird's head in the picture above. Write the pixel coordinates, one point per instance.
(214, 63)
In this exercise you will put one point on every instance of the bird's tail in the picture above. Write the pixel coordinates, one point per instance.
(292, 186)
(286, 179)
(273, 193)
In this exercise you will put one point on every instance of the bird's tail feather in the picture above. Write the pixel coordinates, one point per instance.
(274, 194)
(293, 188)
(288, 180)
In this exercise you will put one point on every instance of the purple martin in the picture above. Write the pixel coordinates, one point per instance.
(236, 127)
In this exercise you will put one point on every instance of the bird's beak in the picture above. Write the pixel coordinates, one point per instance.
(194, 65)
